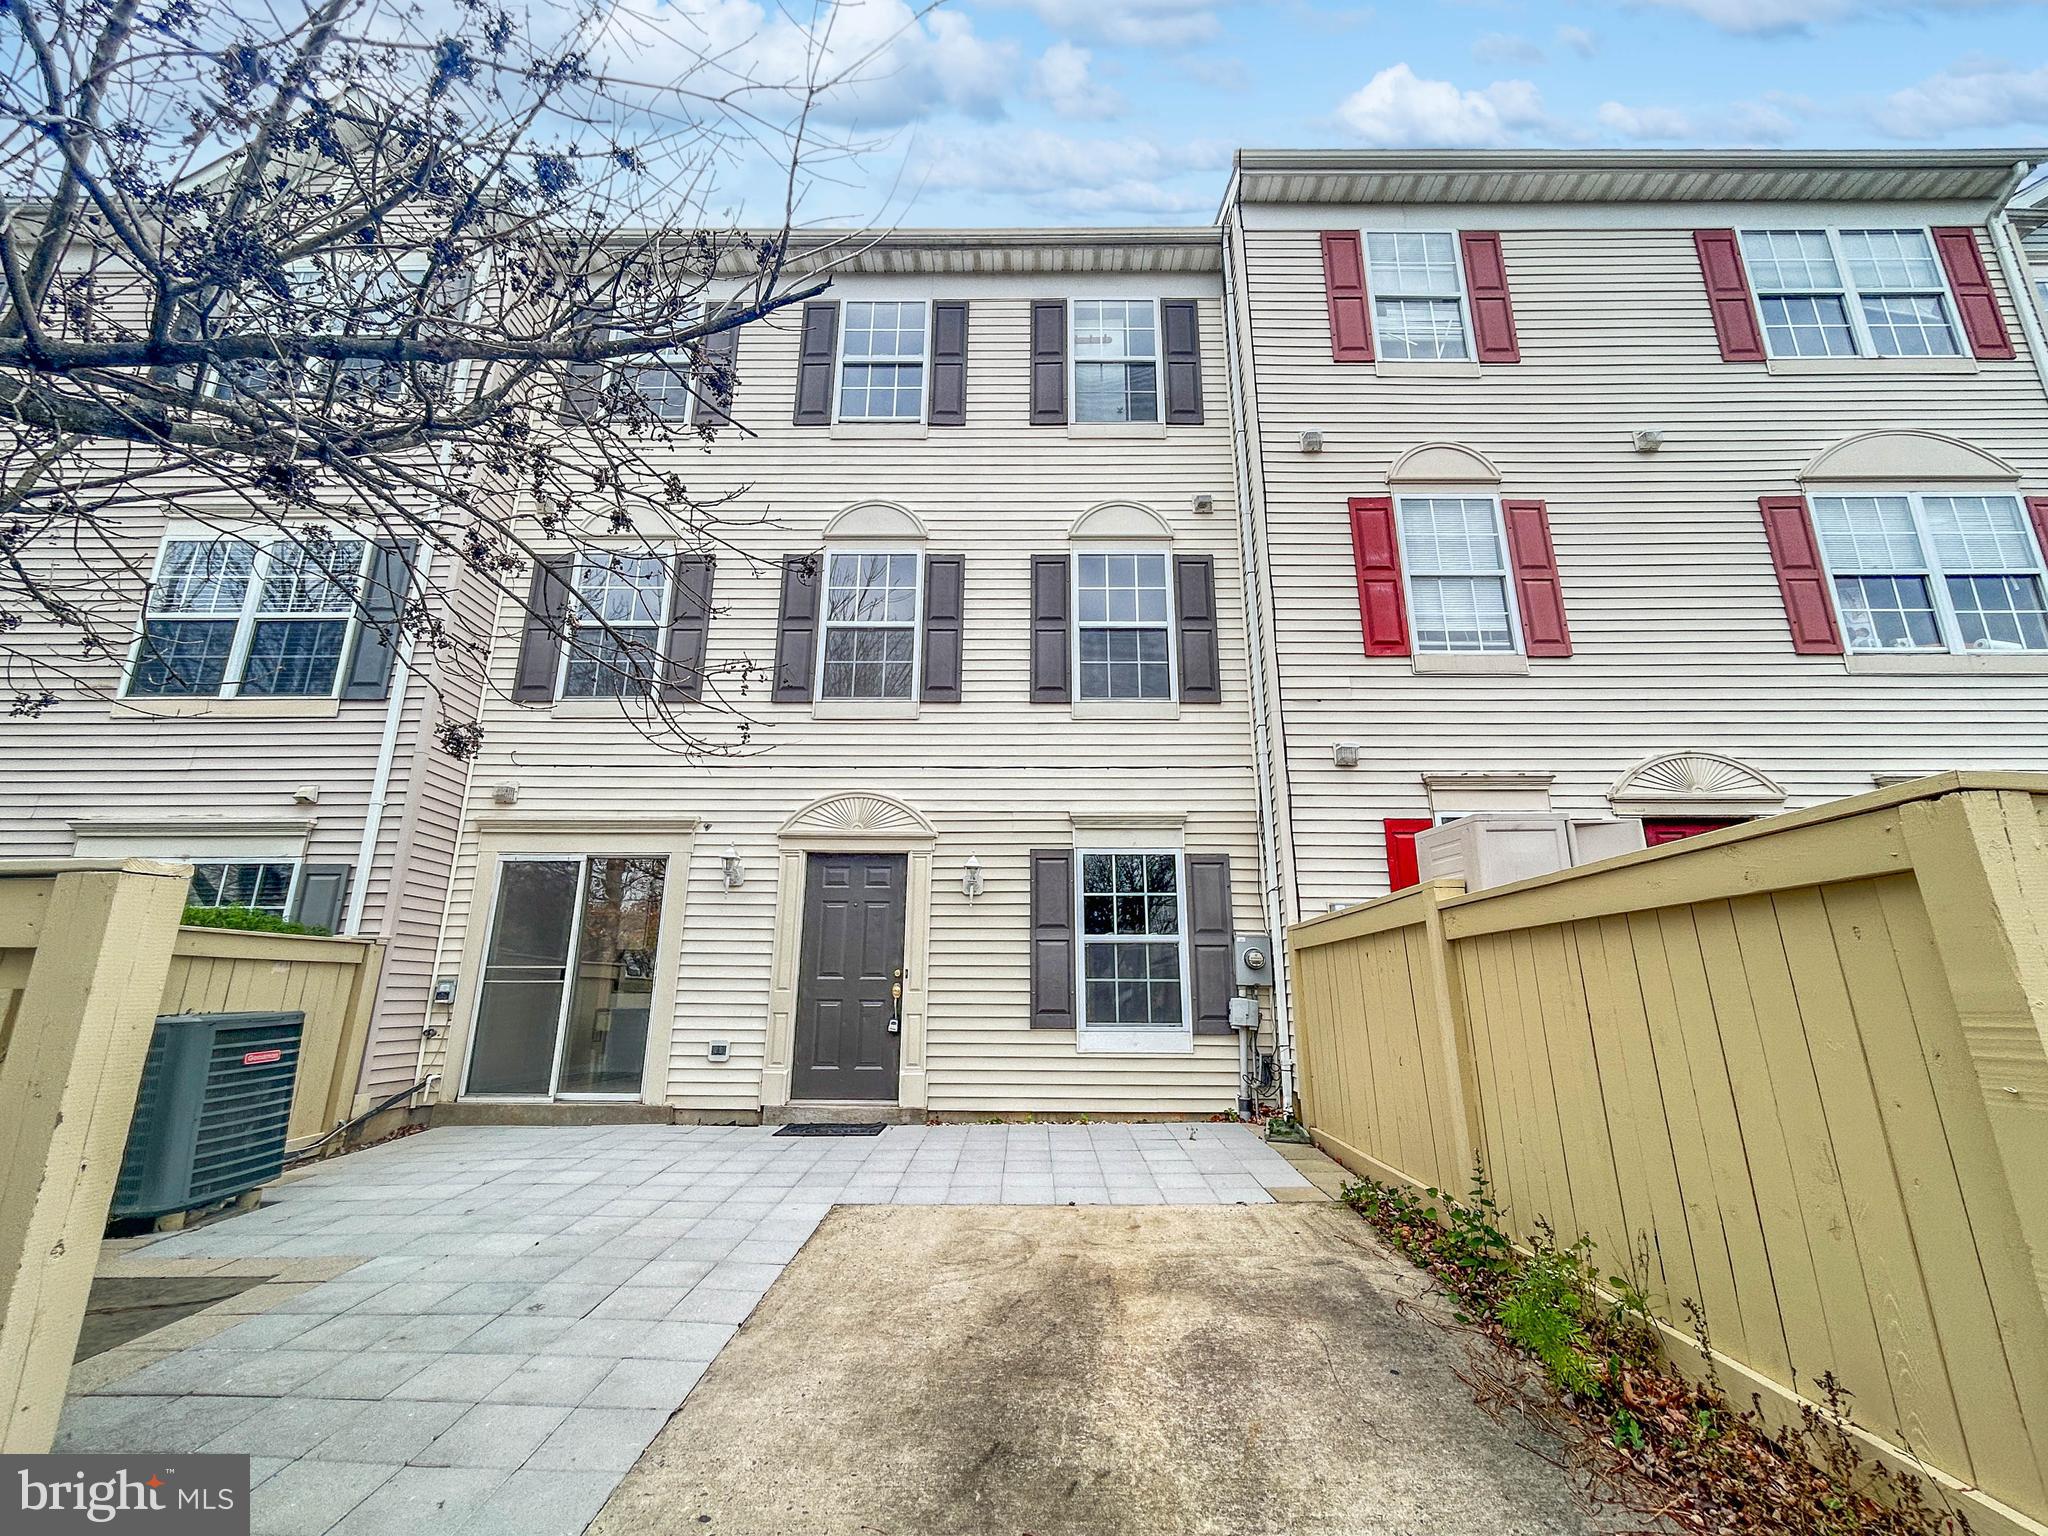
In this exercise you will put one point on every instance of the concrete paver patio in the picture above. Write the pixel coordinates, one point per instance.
(504, 1317)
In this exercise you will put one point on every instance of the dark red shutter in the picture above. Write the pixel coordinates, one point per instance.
(1486, 288)
(1742, 341)
(1971, 284)
(1376, 548)
(2037, 509)
(1537, 590)
(1402, 870)
(1344, 283)
(1801, 577)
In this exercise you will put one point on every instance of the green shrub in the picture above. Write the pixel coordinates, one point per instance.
(244, 917)
(1545, 1311)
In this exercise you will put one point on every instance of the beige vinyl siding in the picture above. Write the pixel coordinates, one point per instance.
(1679, 632)
(995, 775)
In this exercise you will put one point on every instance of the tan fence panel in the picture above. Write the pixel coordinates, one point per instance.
(1801, 1067)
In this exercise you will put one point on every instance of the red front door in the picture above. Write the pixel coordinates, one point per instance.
(1661, 830)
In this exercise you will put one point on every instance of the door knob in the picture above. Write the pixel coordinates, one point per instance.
(896, 991)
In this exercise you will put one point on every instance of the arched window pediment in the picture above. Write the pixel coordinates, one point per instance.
(1443, 464)
(875, 520)
(1904, 458)
(1122, 522)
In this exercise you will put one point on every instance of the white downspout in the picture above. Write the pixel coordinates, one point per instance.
(380, 780)
(2013, 262)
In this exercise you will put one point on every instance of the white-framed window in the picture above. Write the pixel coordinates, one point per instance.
(882, 355)
(1454, 557)
(1417, 283)
(1134, 955)
(663, 382)
(1850, 293)
(1115, 352)
(872, 603)
(255, 885)
(348, 296)
(1123, 624)
(1914, 571)
(255, 615)
(619, 603)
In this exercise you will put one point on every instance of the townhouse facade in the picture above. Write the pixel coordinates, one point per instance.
(975, 822)
(1077, 603)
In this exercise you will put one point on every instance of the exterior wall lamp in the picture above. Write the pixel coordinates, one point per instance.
(729, 866)
(970, 877)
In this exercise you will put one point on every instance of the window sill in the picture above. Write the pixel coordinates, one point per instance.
(1879, 365)
(598, 709)
(864, 709)
(1481, 664)
(1409, 368)
(232, 709)
(1122, 429)
(1126, 709)
(1908, 663)
(880, 431)
(1125, 1042)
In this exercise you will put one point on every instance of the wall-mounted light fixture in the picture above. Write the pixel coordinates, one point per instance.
(970, 877)
(729, 866)
(505, 794)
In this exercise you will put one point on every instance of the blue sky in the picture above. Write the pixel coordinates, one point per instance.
(993, 112)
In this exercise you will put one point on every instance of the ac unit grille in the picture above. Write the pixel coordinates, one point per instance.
(247, 1110)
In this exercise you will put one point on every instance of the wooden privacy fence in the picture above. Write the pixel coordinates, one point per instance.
(91, 954)
(1805, 1061)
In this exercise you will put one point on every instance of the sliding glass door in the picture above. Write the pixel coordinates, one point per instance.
(568, 978)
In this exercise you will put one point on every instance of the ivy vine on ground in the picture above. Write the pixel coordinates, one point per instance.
(1638, 1434)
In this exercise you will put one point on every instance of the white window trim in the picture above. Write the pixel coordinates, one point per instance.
(1081, 701)
(1507, 577)
(659, 627)
(1158, 1040)
(245, 620)
(862, 703)
(291, 893)
(1944, 609)
(1470, 361)
(924, 390)
(1852, 296)
(1158, 361)
(678, 366)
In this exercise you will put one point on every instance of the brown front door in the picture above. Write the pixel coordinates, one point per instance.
(851, 962)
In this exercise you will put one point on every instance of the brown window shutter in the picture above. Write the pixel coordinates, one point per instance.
(1212, 936)
(583, 391)
(689, 629)
(944, 582)
(322, 896)
(540, 636)
(1049, 643)
(947, 403)
(1801, 576)
(796, 630)
(1970, 281)
(1735, 325)
(1052, 938)
(2037, 509)
(816, 346)
(1049, 363)
(1538, 593)
(368, 674)
(1344, 287)
(1486, 290)
(1182, 348)
(1376, 550)
(1201, 672)
(716, 382)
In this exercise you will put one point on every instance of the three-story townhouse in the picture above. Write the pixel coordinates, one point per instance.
(1667, 488)
(976, 825)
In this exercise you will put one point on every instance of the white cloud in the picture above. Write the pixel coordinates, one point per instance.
(1971, 94)
(1072, 177)
(1396, 109)
(1765, 16)
(1140, 23)
(1644, 122)
(1229, 74)
(1578, 40)
(1505, 48)
(1064, 79)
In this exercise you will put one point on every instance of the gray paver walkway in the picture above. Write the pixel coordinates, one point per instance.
(532, 1304)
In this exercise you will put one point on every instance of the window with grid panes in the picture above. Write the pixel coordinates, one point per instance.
(1116, 360)
(1455, 562)
(257, 887)
(871, 604)
(1917, 572)
(241, 617)
(1131, 933)
(1124, 626)
(1850, 293)
(881, 362)
(619, 604)
(1417, 283)
(663, 383)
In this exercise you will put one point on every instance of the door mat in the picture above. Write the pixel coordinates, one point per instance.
(819, 1128)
